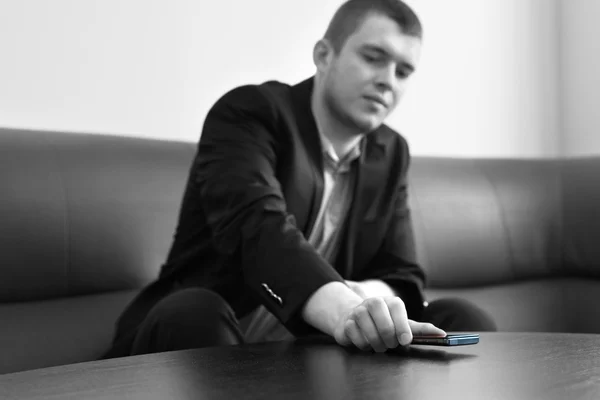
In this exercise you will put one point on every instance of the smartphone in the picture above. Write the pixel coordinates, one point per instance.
(458, 339)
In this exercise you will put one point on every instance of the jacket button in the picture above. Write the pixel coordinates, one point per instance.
(270, 292)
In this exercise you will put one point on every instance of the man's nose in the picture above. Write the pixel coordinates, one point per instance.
(386, 78)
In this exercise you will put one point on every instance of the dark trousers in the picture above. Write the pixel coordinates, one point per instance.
(195, 317)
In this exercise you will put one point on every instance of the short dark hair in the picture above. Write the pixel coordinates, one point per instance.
(350, 15)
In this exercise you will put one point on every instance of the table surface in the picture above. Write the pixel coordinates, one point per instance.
(502, 366)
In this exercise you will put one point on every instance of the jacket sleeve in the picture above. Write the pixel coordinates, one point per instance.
(235, 172)
(395, 262)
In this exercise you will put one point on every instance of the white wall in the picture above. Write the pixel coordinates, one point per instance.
(580, 83)
(488, 80)
(143, 67)
(487, 84)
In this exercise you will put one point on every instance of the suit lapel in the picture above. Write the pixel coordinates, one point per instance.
(369, 185)
(311, 190)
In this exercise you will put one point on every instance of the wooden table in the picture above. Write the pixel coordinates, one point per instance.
(502, 366)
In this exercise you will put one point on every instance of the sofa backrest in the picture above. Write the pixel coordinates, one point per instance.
(85, 213)
(486, 221)
(581, 199)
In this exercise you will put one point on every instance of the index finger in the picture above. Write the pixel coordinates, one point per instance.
(400, 318)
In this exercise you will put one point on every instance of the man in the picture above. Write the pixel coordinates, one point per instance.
(295, 218)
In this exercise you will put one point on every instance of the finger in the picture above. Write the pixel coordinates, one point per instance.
(425, 329)
(355, 336)
(342, 338)
(382, 319)
(399, 317)
(367, 327)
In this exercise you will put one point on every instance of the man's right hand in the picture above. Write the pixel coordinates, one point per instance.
(380, 323)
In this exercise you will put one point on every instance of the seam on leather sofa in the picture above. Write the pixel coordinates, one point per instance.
(67, 233)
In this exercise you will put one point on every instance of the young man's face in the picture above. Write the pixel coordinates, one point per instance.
(364, 82)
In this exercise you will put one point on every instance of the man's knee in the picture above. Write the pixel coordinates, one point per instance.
(190, 306)
(188, 318)
(459, 314)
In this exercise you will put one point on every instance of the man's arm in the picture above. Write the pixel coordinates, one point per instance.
(371, 288)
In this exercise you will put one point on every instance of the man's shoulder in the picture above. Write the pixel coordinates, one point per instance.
(273, 92)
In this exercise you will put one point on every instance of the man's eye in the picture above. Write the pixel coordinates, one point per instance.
(402, 74)
(370, 58)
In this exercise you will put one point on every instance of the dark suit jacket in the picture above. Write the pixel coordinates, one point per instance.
(253, 194)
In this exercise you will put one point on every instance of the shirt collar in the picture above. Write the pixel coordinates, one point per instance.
(331, 158)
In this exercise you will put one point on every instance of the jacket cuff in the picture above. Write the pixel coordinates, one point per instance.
(288, 308)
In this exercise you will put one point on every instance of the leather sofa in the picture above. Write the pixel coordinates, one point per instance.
(86, 220)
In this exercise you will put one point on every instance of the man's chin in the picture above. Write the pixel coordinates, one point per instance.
(367, 125)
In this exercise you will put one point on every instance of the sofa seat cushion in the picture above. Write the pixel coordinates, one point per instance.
(57, 332)
(548, 305)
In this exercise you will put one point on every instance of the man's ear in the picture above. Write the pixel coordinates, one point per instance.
(322, 54)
